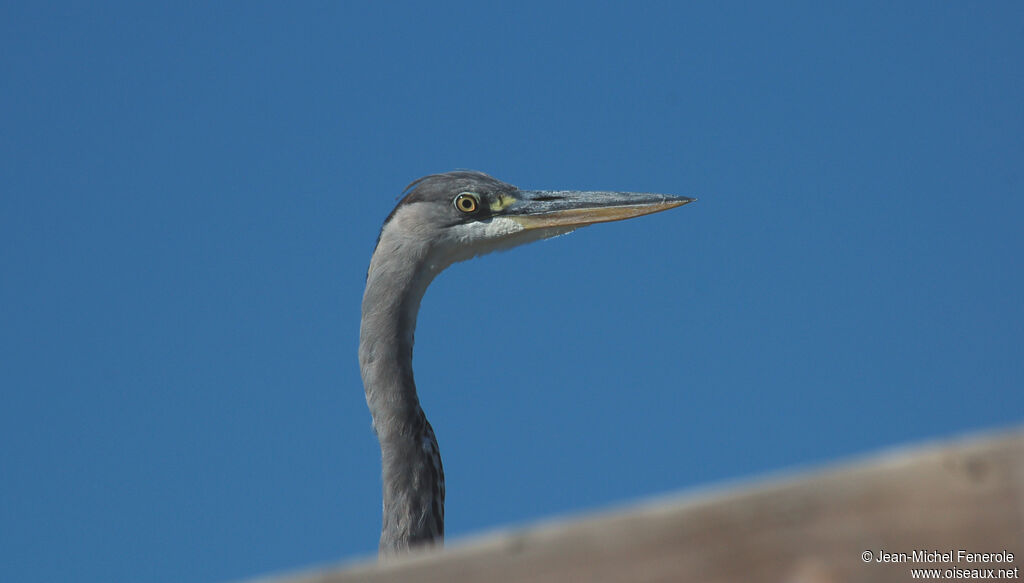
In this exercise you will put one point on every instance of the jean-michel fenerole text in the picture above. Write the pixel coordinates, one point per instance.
(943, 556)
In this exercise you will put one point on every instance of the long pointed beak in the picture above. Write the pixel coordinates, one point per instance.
(574, 208)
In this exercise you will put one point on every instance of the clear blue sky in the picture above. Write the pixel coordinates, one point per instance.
(190, 195)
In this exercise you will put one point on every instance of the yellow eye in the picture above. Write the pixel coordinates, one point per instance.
(467, 202)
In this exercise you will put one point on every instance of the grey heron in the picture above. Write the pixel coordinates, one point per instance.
(442, 219)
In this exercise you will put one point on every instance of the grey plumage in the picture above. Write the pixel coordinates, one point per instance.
(445, 218)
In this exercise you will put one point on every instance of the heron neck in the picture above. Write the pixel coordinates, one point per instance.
(395, 284)
(413, 478)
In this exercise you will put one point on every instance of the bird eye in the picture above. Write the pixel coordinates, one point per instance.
(467, 202)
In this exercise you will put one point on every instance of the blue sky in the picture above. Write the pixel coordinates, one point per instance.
(191, 192)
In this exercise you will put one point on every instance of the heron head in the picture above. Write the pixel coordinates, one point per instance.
(458, 215)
